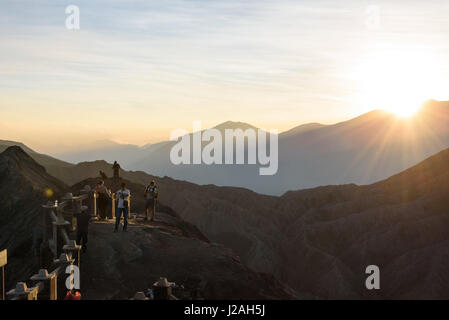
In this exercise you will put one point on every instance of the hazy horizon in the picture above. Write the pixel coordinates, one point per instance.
(137, 70)
(60, 148)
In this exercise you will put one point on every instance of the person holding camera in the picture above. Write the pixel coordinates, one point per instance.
(151, 193)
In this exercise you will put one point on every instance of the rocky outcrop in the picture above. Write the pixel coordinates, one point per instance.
(400, 224)
(172, 248)
(117, 265)
(321, 240)
(22, 192)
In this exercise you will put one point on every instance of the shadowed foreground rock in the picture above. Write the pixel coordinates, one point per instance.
(119, 264)
(22, 185)
(317, 240)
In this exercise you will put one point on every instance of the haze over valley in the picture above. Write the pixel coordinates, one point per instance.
(362, 150)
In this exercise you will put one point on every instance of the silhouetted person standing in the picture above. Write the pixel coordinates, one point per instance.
(103, 196)
(122, 206)
(82, 228)
(116, 170)
(150, 194)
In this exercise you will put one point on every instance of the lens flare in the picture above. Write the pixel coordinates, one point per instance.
(48, 192)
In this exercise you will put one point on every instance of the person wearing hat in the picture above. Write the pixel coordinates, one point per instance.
(122, 196)
(151, 193)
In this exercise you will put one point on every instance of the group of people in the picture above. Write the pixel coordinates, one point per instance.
(104, 196)
(122, 196)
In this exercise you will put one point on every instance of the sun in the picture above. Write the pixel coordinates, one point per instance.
(406, 109)
(399, 81)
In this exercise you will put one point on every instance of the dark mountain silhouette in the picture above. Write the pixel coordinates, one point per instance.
(119, 264)
(400, 224)
(48, 162)
(320, 240)
(22, 186)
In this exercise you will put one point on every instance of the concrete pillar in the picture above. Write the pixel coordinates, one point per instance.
(54, 240)
(62, 262)
(50, 284)
(74, 250)
(59, 224)
(162, 289)
(48, 210)
(22, 292)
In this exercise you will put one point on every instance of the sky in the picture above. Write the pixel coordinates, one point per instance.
(137, 70)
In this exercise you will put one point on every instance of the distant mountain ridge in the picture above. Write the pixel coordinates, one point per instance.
(301, 129)
(362, 150)
(320, 240)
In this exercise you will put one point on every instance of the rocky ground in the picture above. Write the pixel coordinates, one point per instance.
(117, 265)
(169, 247)
(317, 240)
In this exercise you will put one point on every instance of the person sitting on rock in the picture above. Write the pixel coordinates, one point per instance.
(151, 193)
(123, 197)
